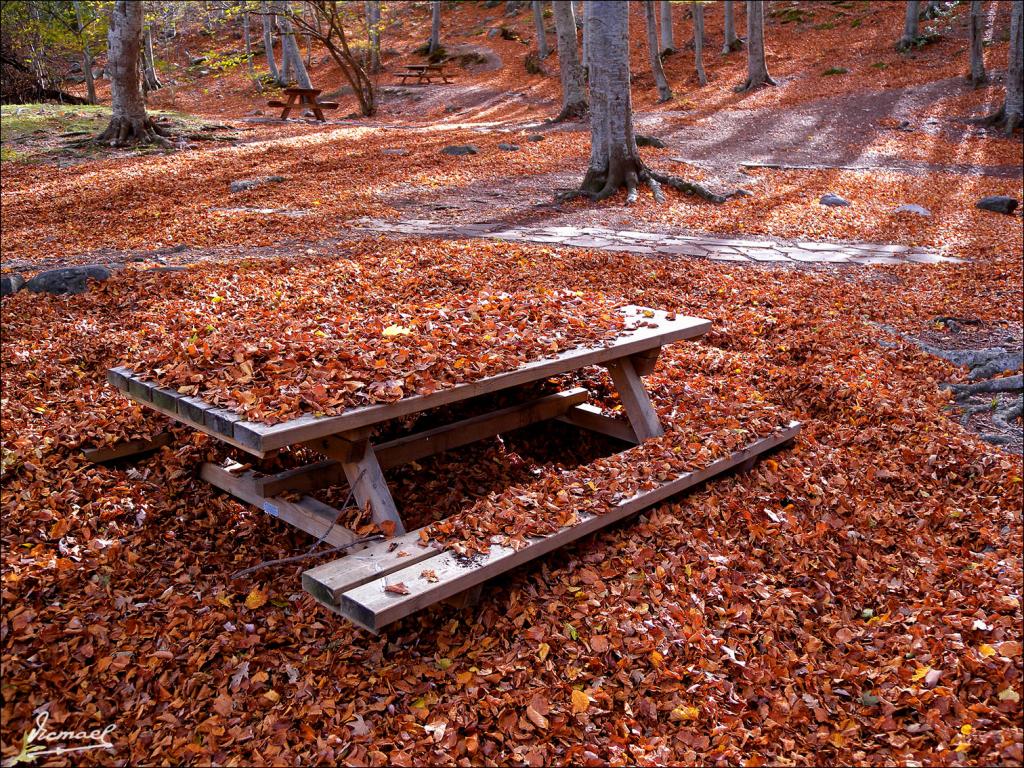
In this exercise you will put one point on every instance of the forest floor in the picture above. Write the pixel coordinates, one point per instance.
(855, 598)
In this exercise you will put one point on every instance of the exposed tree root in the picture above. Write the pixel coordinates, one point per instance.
(571, 112)
(751, 84)
(1006, 384)
(125, 130)
(600, 185)
(1007, 123)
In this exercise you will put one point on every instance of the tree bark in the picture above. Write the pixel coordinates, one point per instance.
(977, 34)
(128, 121)
(664, 92)
(757, 65)
(574, 99)
(1008, 116)
(90, 82)
(586, 37)
(698, 42)
(668, 44)
(732, 42)
(910, 25)
(290, 53)
(435, 26)
(614, 159)
(373, 33)
(538, 23)
(268, 43)
(151, 81)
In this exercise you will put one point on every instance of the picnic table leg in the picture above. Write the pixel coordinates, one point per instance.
(639, 409)
(288, 107)
(369, 487)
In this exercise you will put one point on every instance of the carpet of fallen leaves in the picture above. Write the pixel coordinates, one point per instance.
(854, 598)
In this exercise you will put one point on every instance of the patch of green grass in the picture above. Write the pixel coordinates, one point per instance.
(835, 71)
(8, 155)
(880, 65)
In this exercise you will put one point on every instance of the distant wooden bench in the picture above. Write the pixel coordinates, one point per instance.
(424, 72)
(303, 98)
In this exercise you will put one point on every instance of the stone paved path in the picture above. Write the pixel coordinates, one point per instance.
(700, 247)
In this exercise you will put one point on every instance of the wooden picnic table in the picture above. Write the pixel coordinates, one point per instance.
(303, 98)
(354, 585)
(423, 72)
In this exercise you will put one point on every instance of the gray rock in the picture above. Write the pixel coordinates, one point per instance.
(494, 32)
(508, 147)
(649, 141)
(998, 204)
(460, 149)
(243, 185)
(396, 152)
(68, 279)
(833, 201)
(535, 137)
(11, 284)
(917, 210)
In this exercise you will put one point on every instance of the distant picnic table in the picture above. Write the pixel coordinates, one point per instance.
(423, 72)
(303, 98)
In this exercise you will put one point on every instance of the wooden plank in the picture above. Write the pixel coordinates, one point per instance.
(263, 437)
(644, 362)
(587, 416)
(639, 409)
(369, 487)
(326, 582)
(432, 441)
(371, 607)
(221, 420)
(165, 398)
(308, 514)
(193, 409)
(127, 448)
(140, 390)
(119, 377)
(275, 103)
(310, 477)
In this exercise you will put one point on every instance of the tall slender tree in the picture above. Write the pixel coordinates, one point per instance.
(668, 43)
(664, 92)
(698, 41)
(911, 25)
(268, 42)
(291, 56)
(614, 159)
(574, 98)
(976, 28)
(435, 27)
(757, 65)
(1008, 116)
(81, 26)
(586, 35)
(128, 121)
(373, 26)
(732, 42)
(150, 79)
(538, 24)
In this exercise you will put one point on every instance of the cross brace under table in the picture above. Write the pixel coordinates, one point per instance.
(355, 585)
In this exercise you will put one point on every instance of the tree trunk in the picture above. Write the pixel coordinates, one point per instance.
(435, 26)
(668, 44)
(90, 82)
(1008, 116)
(586, 37)
(910, 26)
(732, 42)
(664, 92)
(291, 56)
(977, 34)
(268, 43)
(757, 66)
(698, 41)
(373, 33)
(151, 82)
(614, 159)
(128, 121)
(538, 23)
(574, 99)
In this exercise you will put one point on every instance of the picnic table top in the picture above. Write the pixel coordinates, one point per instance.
(656, 328)
(424, 66)
(300, 91)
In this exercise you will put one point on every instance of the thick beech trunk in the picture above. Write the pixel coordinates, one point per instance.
(910, 25)
(757, 65)
(668, 43)
(1008, 116)
(585, 16)
(373, 33)
(291, 56)
(977, 34)
(268, 43)
(574, 98)
(664, 92)
(698, 42)
(435, 26)
(732, 42)
(129, 121)
(614, 159)
(538, 23)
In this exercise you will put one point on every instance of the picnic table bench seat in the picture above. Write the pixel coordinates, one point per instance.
(303, 98)
(356, 587)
